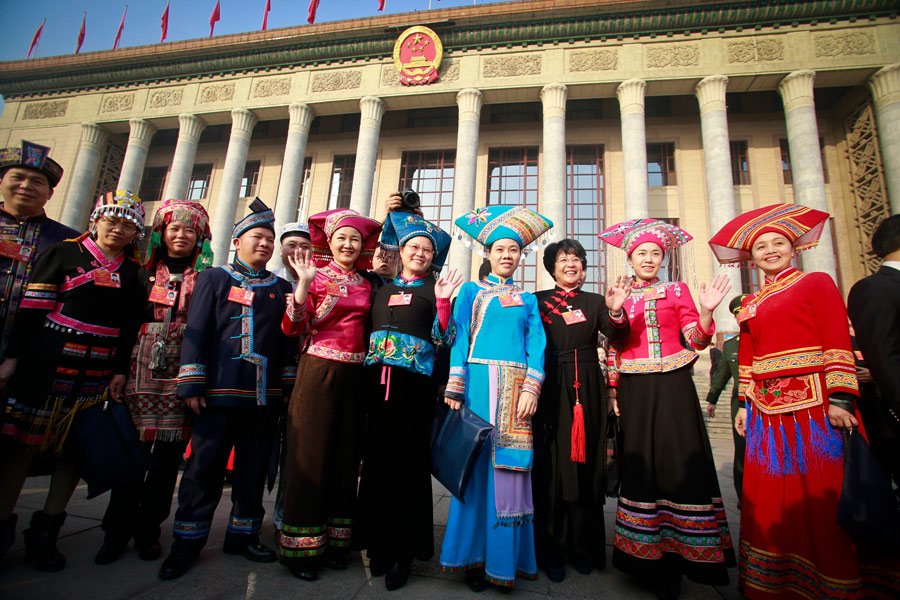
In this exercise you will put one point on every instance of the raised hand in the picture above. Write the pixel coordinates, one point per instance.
(617, 294)
(449, 283)
(711, 295)
(302, 263)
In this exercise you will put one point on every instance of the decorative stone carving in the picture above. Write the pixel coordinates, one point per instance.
(674, 55)
(117, 103)
(746, 51)
(593, 60)
(741, 52)
(449, 70)
(512, 66)
(846, 44)
(389, 76)
(336, 80)
(46, 110)
(219, 92)
(265, 88)
(769, 49)
(167, 97)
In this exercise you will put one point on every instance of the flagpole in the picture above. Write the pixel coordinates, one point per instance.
(38, 42)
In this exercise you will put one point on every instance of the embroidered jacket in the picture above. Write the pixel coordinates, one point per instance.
(234, 354)
(334, 315)
(659, 313)
(35, 233)
(489, 333)
(796, 325)
(405, 334)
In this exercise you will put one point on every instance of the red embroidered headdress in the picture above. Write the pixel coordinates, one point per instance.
(801, 225)
(323, 225)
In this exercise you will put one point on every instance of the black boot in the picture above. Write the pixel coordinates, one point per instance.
(40, 541)
(183, 555)
(7, 533)
(397, 575)
(114, 546)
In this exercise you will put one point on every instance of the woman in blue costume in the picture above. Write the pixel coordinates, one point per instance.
(496, 370)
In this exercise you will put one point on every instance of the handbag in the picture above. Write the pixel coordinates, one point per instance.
(457, 437)
(868, 508)
(613, 463)
(105, 446)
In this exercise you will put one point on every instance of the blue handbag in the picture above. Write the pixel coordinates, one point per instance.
(457, 437)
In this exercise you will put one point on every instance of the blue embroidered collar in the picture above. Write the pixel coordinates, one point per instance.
(496, 280)
(242, 268)
(401, 281)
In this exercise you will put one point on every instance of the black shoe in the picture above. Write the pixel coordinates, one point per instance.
(253, 551)
(397, 576)
(379, 565)
(40, 542)
(306, 573)
(336, 563)
(669, 589)
(148, 549)
(503, 589)
(556, 574)
(475, 580)
(113, 548)
(582, 566)
(7, 533)
(176, 565)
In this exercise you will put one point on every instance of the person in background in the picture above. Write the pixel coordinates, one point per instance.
(69, 350)
(178, 251)
(236, 368)
(293, 236)
(670, 520)
(386, 263)
(728, 369)
(570, 423)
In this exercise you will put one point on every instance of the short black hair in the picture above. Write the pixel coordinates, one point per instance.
(485, 269)
(567, 246)
(886, 238)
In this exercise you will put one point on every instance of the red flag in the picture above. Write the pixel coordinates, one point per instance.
(119, 30)
(81, 33)
(380, 5)
(266, 15)
(313, 7)
(35, 39)
(213, 17)
(164, 24)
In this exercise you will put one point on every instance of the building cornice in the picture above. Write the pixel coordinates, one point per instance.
(490, 26)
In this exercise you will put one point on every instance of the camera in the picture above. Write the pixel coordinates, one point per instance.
(409, 201)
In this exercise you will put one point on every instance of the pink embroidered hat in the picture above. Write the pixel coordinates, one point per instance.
(628, 235)
(323, 225)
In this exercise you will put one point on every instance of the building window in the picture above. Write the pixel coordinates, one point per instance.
(750, 278)
(305, 188)
(439, 116)
(250, 180)
(515, 112)
(153, 184)
(431, 175)
(513, 180)
(341, 181)
(786, 160)
(740, 163)
(585, 109)
(661, 164)
(584, 207)
(199, 185)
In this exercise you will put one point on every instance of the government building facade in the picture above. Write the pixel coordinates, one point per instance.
(590, 111)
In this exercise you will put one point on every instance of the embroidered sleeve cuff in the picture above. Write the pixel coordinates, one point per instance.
(838, 381)
(191, 380)
(295, 312)
(456, 384)
(700, 339)
(289, 376)
(533, 381)
(443, 335)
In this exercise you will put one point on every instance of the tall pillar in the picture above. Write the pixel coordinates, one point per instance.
(634, 147)
(136, 155)
(189, 129)
(366, 153)
(291, 171)
(242, 122)
(469, 102)
(553, 167)
(80, 197)
(806, 161)
(720, 206)
(885, 86)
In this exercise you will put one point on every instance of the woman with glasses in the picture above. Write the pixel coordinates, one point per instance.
(71, 345)
(410, 317)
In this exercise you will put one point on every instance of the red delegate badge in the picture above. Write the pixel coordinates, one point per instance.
(161, 295)
(241, 296)
(655, 293)
(400, 300)
(15, 251)
(507, 300)
(104, 278)
(574, 316)
(334, 289)
(746, 313)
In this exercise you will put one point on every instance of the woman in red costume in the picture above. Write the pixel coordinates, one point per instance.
(798, 380)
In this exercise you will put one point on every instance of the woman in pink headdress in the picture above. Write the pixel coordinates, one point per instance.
(670, 520)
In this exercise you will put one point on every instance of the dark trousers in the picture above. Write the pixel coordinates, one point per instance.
(740, 446)
(137, 508)
(250, 430)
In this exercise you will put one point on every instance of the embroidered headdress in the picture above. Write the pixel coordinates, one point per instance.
(181, 211)
(323, 225)
(674, 241)
(400, 227)
(294, 229)
(122, 204)
(31, 156)
(260, 216)
(491, 223)
(801, 225)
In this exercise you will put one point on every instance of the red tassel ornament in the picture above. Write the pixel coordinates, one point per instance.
(578, 452)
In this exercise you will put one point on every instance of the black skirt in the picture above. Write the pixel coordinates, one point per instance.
(670, 517)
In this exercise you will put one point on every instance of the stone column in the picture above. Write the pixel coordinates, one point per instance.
(885, 86)
(189, 129)
(136, 155)
(634, 147)
(553, 168)
(80, 196)
(291, 171)
(366, 154)
(469, 102)
(242, 122)
(806, 161)
(720, 206)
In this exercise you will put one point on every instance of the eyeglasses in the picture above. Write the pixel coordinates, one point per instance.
(415, 249)
(120, 224)
(568, 260)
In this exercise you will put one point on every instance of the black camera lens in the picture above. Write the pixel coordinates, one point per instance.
(410, 198)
